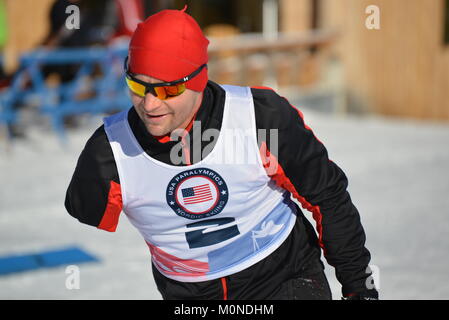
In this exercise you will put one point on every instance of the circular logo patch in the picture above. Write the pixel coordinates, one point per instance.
(197, 193)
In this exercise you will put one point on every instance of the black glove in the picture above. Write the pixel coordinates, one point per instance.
(365, 295)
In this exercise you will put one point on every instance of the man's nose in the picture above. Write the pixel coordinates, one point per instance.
(151, 102)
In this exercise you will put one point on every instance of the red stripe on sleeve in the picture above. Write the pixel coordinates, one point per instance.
(111, 215)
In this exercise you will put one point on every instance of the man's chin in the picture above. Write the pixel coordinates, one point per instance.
(157, 131)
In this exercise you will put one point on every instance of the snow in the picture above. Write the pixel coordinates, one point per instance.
(398, 174)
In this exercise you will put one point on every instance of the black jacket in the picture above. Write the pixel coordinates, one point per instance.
(304, 169)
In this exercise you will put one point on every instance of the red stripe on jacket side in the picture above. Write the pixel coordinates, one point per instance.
(225, 288)
(276, 172)
(114, 206)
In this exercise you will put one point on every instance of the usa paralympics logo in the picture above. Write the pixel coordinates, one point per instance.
(197, 193)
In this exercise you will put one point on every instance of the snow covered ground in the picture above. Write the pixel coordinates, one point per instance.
(399, 180)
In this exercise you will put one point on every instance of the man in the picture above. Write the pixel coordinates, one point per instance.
(215, 209)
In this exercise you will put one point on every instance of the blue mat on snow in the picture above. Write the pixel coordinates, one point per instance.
(44, 259)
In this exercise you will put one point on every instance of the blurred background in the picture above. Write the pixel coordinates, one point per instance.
(371, 77)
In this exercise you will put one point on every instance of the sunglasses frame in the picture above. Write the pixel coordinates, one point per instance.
(149, 87)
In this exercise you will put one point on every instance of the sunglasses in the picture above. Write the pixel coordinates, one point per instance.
(162, 90)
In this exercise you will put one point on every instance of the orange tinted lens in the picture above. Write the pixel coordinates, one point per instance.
(170, 91)
(135, 87)
(181, 88)
(160, 93)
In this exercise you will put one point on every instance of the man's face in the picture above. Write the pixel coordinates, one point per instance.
(161, 117)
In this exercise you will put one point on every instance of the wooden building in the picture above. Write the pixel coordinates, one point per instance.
(401, 69)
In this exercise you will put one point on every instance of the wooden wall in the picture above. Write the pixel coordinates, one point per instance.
(401, 69)
(27, 26)
(295, 15)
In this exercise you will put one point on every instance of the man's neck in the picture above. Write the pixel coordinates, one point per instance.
(186, 128)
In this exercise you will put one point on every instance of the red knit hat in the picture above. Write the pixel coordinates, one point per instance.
(168, 46)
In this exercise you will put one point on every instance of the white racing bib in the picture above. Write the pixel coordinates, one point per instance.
(210, 219)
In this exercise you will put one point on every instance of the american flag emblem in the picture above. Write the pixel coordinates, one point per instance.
(197, 194)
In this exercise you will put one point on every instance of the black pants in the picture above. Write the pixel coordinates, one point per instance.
(312, 284)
